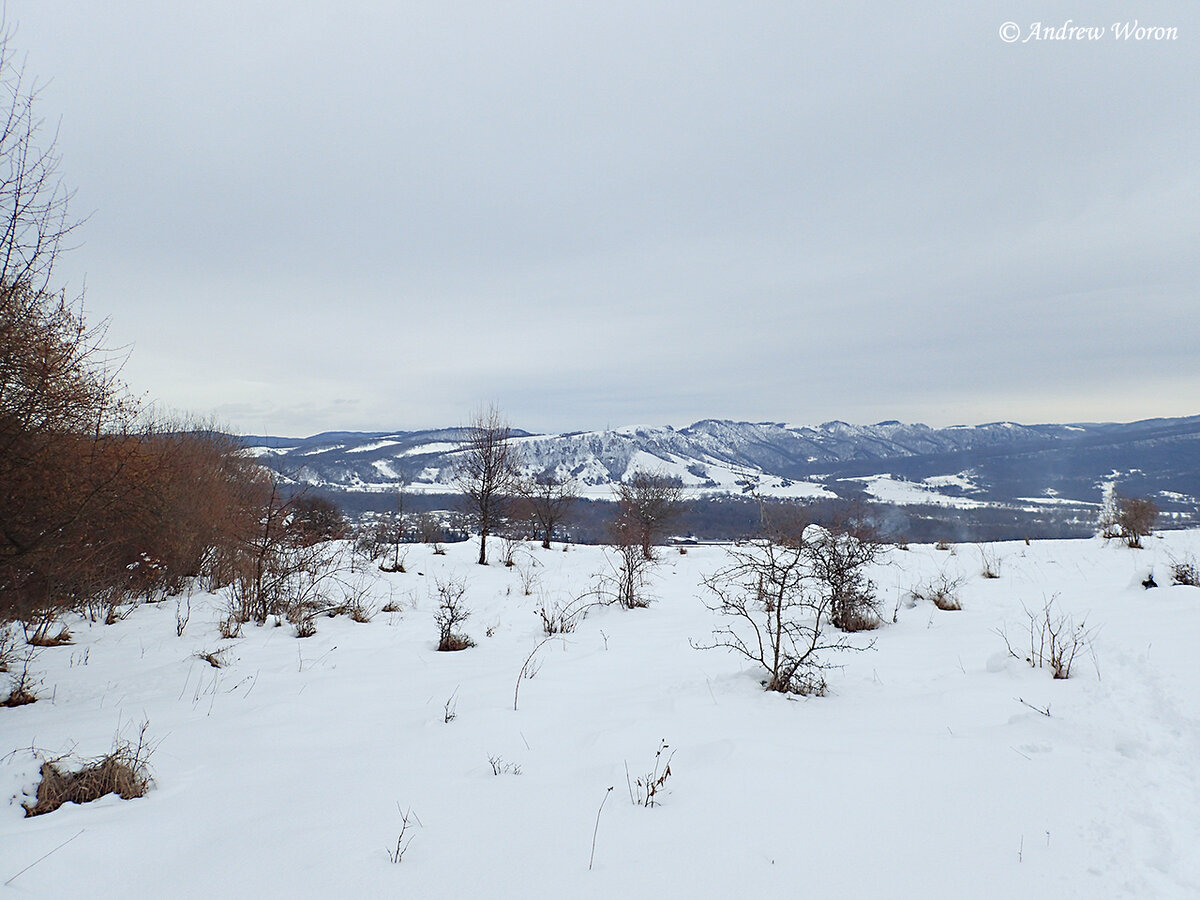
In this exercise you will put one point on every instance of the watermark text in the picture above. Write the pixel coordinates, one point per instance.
(1068, 31)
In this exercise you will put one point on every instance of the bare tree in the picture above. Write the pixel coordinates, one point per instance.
(396, 533)
(34, 219)
(58, 392)
(650, 503)
(633, 567)
(1136, 517)
(486, 473)
(550, 498)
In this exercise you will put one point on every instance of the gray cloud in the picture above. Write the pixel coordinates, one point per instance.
(606, 213)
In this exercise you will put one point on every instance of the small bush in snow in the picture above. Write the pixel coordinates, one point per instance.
(1055, 640)
(990, 562)
(396, 855)
(631, 565)
(529, 578)
(941, 591)
(306, 626)
(1136, 517)
(22, 689)
(451, 613)
(644, 790)
(500, 767)
(838, 557)
(359, 608)
(230, 626)
(1186, 572)
(563, 619)
(780, 611)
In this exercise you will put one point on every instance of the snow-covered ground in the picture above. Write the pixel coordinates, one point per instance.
(889, 489)
(926, 772)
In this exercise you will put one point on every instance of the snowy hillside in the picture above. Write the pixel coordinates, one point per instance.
(938, 765)
(1021, 467)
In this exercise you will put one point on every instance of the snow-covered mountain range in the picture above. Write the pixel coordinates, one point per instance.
(999, 463)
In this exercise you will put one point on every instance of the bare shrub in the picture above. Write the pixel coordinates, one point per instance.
(644, 790)
(512, 542)
(22, 689)
(109, 605)
(529, 668)
(838, 557)
(230, 626)
(780, 616)
(123, 771)
(305, 625)
(1136, 517)
(1185, 571)
(528, 576)
(941, 591)
(630, 564)
(500, 767)
(1055, 640)
(451, 613)
(396, 855)
(360, 609)
(565, 618)
(284, 569)
(397, 562)
(990, 562)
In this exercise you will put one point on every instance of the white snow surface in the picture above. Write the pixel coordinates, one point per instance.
(890, 489)
(374, 445)
(920, 775)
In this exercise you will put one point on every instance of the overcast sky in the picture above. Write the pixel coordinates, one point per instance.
(309, 216)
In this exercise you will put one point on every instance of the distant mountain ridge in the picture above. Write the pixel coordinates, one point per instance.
(998, 463)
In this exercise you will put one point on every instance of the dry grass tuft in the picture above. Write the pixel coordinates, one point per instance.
(860, 620)
(453, 642)
(123, 771)
(215, 658)
(19, 696)
(941, 591)
(38, 639)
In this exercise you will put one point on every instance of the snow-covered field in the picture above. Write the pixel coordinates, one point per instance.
(922, 774)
